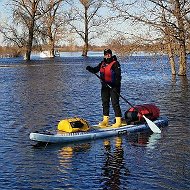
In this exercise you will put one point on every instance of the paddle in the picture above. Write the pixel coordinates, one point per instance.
(151, 125)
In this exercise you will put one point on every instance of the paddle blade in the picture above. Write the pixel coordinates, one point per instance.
(152, 125)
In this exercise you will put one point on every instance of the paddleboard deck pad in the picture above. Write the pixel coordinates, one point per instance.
(95, 132)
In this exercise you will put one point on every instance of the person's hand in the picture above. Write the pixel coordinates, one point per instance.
(90, 69)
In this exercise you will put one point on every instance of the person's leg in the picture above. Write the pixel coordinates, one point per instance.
(105, 95)
(115, 101)
(116, 107)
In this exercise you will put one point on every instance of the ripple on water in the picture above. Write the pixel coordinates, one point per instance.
(36, 96)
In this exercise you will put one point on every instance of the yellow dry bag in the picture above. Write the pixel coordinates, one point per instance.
(73, 125)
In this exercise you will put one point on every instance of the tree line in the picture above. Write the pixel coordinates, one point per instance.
(161, 26)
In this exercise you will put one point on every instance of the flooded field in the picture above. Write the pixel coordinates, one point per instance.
(36, 95)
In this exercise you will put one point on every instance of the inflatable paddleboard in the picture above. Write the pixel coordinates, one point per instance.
(95, 132)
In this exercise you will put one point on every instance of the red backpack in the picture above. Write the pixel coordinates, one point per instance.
(151, 111)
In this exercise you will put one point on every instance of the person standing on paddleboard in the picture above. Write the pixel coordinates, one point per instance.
(110, 74)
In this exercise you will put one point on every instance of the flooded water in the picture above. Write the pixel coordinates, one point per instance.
(36, 95)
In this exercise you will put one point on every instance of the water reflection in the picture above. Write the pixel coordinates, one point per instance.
(182, 81)
(178, 100)
(36, 95)
(148, 139)
(114, 166)
(184, 87)
(67, 152)
(138, 139)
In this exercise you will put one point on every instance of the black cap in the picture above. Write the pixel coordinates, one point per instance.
(107, 51)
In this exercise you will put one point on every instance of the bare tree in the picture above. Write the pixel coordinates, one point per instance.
(165, 17)
(13, 35)
(25, 15)
(85, 20)
(21, 30)
(169, 41)
(177, 10)
(179, 14)
(51, 24)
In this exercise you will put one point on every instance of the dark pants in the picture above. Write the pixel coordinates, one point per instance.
(113, 93)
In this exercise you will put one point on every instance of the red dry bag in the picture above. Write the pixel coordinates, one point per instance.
(135, 114)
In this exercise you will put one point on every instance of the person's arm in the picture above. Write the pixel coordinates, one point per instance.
(94, 69)
(117, 70)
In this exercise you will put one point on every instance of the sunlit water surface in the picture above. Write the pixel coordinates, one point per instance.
(36, 95)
